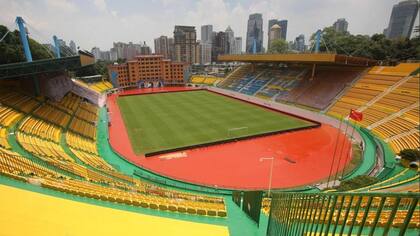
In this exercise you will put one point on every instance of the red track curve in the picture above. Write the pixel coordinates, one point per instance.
(237, 165)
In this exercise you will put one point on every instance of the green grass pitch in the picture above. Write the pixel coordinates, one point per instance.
(164, 121)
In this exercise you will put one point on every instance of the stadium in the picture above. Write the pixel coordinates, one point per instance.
(284, 144)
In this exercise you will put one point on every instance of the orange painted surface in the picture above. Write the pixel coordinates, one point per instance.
(300, 157)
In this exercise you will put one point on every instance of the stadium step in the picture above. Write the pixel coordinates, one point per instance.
(381, 95)
(412, 131)
(395, 115)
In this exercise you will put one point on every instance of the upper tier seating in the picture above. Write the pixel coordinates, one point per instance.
(13, 163)
(292, 84)
(327, 84)
(256, 84)
(365, 89)
(53, 115)
(69, 103)
(86, 115)
(3, 138)
(40, 128)
(42, 148)
(18, 101)
(389, 100)
(84, 128)
(8, 116)
(89, 107)
(202, 79)
(283, 81)
(98, 87)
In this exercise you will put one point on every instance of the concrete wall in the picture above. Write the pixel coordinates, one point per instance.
(93, 96)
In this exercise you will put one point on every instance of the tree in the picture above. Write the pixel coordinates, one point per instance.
(357, 182)
(377, 46)
(11, 49)
(278, 46)
(410, 155)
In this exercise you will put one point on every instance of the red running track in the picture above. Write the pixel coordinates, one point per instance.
(300, 157)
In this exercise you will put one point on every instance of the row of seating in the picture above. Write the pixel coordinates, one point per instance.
(13, 163)
(3, 138)
(394, 127)
(18, 101)
(78, 142)
(407, 142)
(237, 84)
(86, 115)
(83, 128)
(255, 85)
(284, 80)
(365, 89)
(322, 212)
(101, 86)
(42, 140)
(8, 116)
(69, 103)
(403, 96)
(91, 159)
(402, 69)
(40, 128)
(208, 80)
(41, 147)
(89, 107)
(52, 115)
(135, 199)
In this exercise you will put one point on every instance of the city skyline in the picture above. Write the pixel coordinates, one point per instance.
(78, 20)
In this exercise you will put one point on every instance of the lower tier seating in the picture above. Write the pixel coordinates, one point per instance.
(136, 199)
(8, 116)
(83, 128)
(52, 115)
(40, 128)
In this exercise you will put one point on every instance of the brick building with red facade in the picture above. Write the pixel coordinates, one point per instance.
(147, 71)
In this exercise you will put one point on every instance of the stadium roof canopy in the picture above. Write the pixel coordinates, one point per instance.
(23, 69)
(302, 58)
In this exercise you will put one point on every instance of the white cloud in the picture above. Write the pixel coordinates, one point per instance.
(101, 22)
(100, 4)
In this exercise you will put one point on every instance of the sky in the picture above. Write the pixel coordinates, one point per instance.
(99, 23)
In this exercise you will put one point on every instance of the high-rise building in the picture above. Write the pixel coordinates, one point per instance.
(230, 37)
(205, 49)
(127, 51)
(72, 45)
(283, 27)
(274, 34)
(162, 46)
(147, 69)
(219, 45)
(144, 49)
(113, 54)
(402, 19)
(96, 53)
(254, 35)
(340, 25)
(300, 43)
(206, 33)
(237, 46)
(171, 45)
(185, 42)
